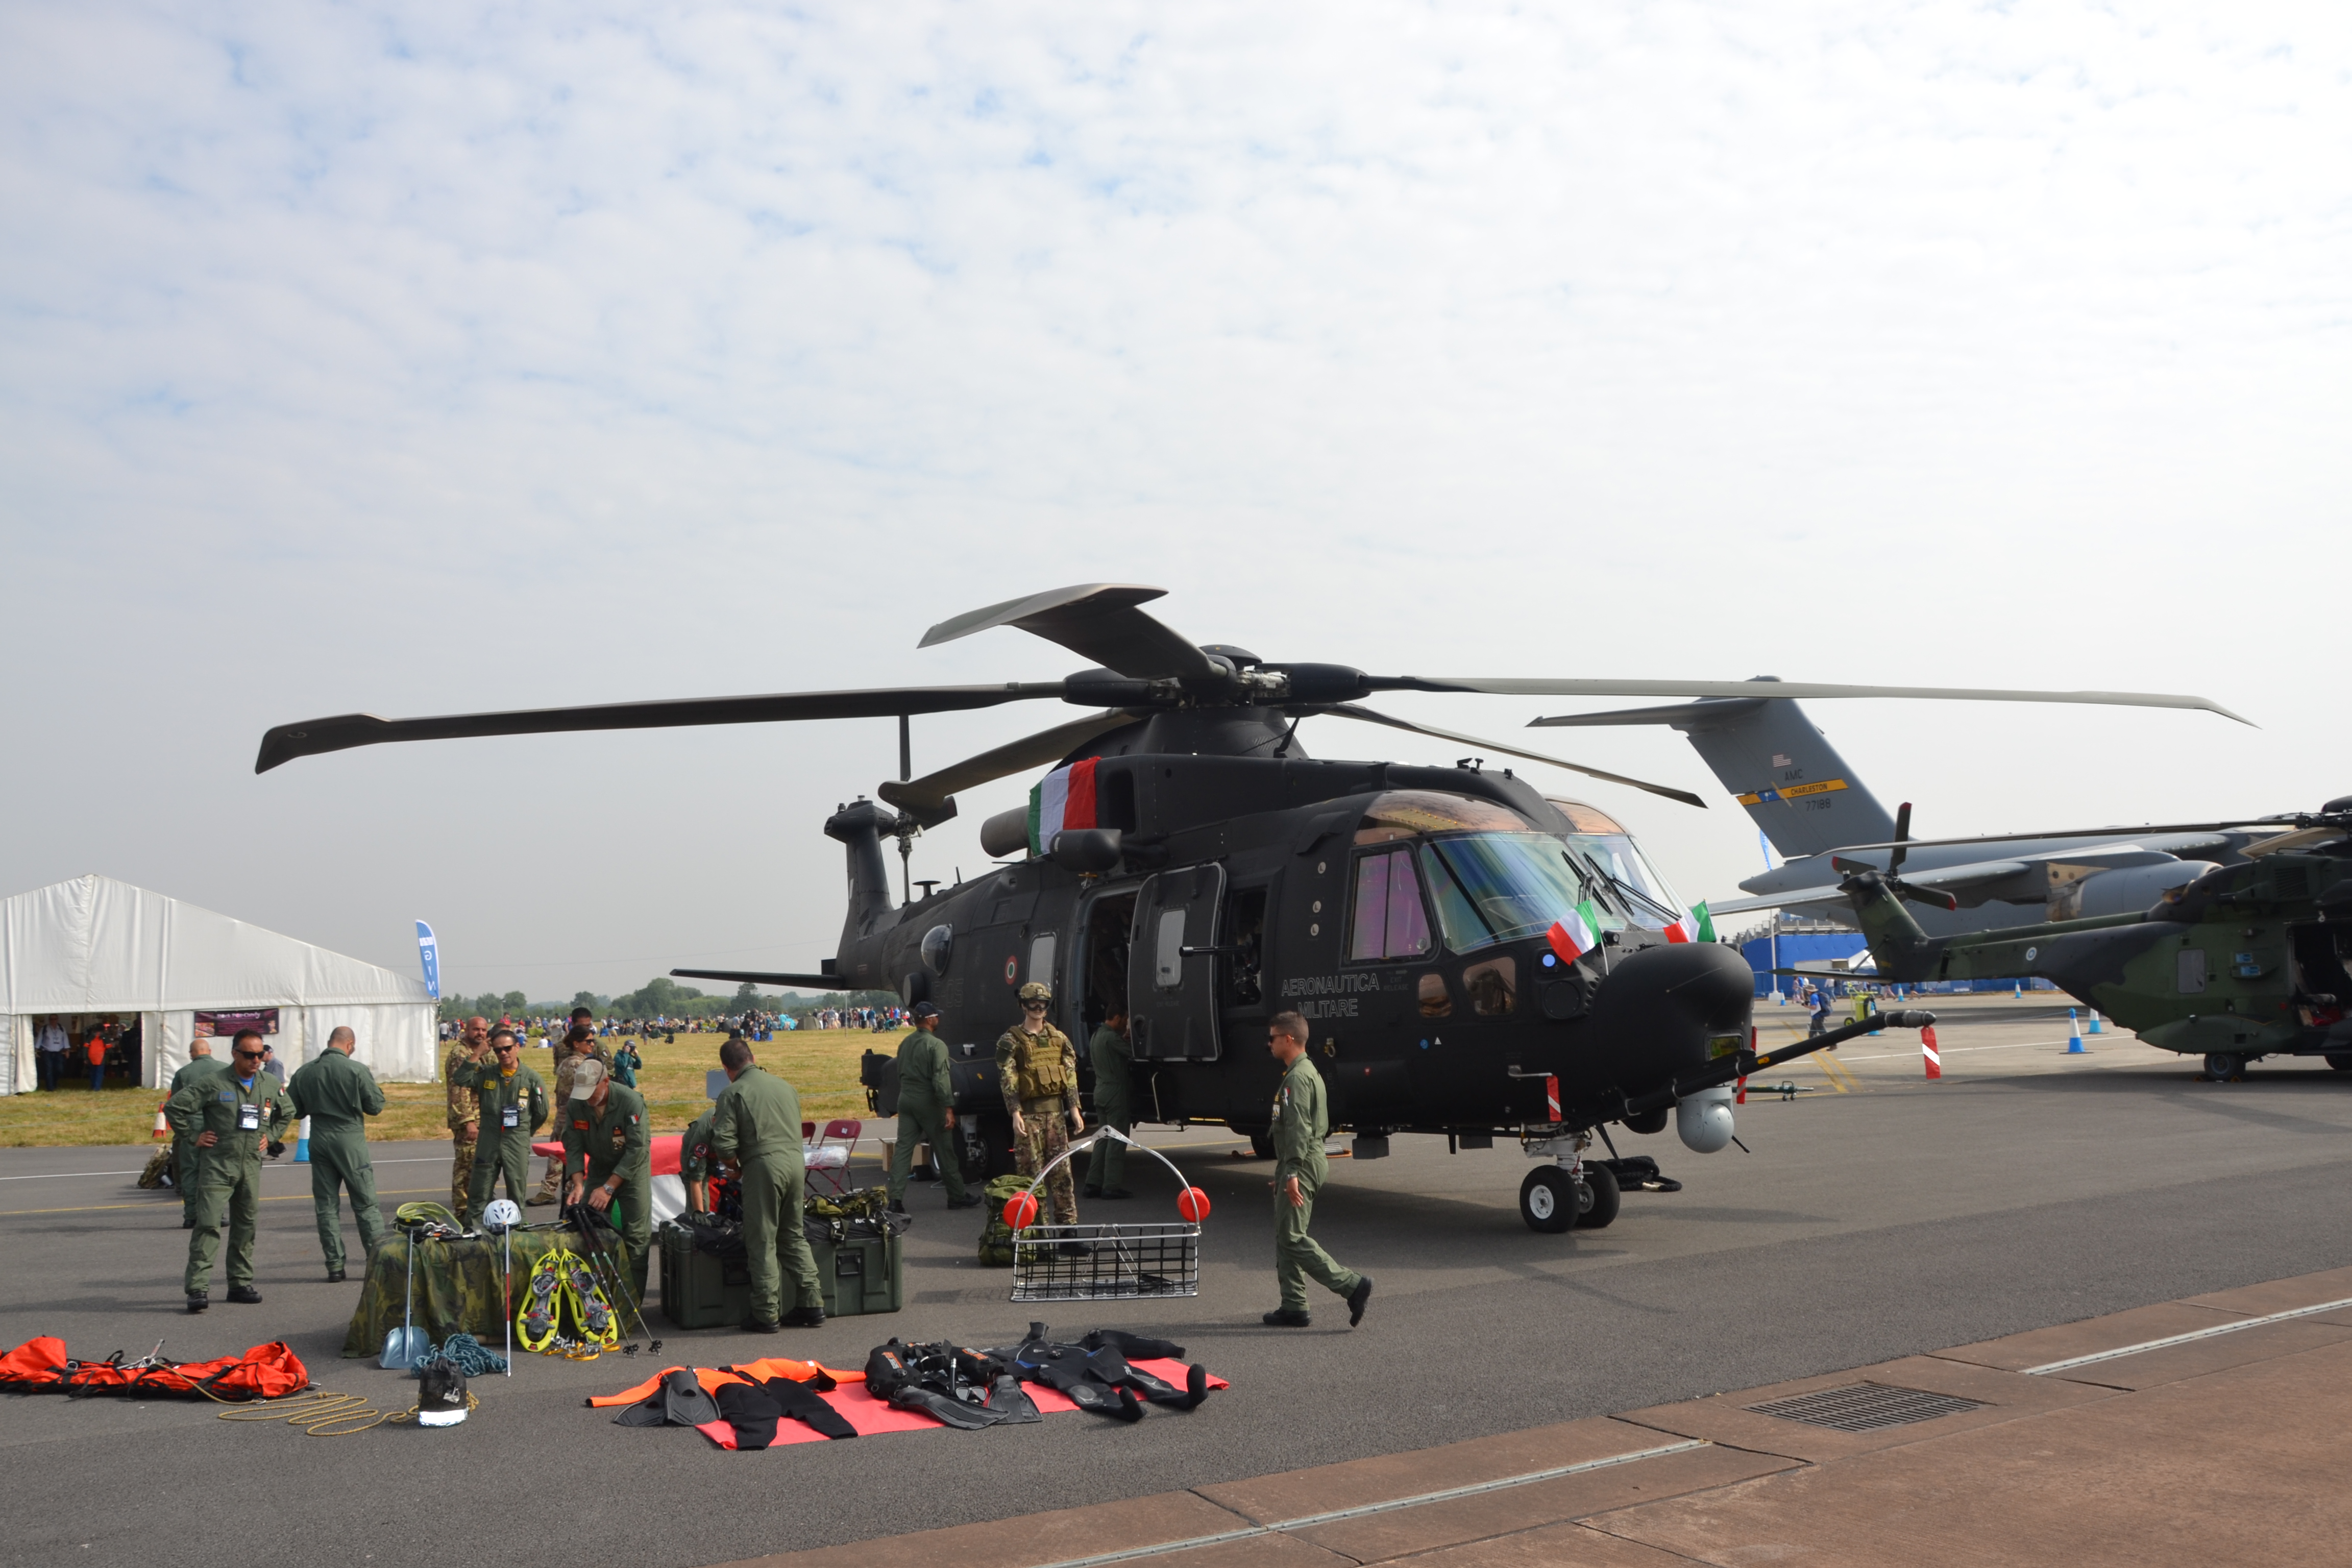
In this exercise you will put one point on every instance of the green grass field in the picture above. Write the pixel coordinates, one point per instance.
(820, 1064)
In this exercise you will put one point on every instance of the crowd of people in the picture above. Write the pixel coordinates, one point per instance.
(86, 1050)
(752, 1025)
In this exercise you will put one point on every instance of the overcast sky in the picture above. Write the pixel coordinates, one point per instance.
(435, 358)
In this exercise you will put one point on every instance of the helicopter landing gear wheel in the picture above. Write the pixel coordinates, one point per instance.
(1262, 1145)
(1606, 1198)
(1549, 1202)
(2220, 1066)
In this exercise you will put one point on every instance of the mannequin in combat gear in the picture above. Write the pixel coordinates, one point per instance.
(230, 1116)
(1113, 1060)
(1300, 1123)
(926, 1111)
(1038, 1068)
(756, 1126)
(336, 1093)
(513, 1105)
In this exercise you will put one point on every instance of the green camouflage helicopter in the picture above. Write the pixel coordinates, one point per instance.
(2248, 960)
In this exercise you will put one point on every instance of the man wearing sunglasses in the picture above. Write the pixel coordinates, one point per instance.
(229, 1117)
(513, 1105)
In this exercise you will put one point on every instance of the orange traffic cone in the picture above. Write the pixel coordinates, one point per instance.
(163, 1126)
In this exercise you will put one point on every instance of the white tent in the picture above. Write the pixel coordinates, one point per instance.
(97, 945)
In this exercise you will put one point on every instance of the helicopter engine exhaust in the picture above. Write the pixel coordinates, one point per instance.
(1702, 1121)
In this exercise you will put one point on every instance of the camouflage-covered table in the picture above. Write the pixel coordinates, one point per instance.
(460, 1285)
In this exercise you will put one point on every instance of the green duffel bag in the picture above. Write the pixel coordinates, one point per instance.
(996, 1240)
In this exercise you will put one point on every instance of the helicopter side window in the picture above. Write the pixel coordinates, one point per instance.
(1168, 954)
(1498, 886)
(1390, 920)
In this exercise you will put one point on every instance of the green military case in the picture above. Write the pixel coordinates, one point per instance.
(698, 1291)
(861, 1274)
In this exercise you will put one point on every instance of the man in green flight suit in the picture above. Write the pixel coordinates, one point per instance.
(184, 1149)
(608, 1160)
(1114, 1104)
(1038, 1068)
(229, 1115)
(756, 1127)
(694, 1165)
(926, 1111)
(513, 1103)
(1301, 1121)
(335, 1092)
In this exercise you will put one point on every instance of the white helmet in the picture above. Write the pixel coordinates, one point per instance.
(502, 1214)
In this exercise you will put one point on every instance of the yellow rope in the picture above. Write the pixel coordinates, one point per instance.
(323, 1415)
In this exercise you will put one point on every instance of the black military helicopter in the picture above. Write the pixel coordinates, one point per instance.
(1477, 959)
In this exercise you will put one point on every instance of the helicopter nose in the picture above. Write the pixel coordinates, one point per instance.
(1665, 1010)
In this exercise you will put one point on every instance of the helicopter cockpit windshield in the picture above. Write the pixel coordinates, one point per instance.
(1490, 876)
(1611, 853)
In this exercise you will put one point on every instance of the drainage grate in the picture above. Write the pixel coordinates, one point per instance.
(1866, 1407)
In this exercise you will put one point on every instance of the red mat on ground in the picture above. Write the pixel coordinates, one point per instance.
(873, 1416)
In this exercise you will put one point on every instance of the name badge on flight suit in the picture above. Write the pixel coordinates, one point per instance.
(510, 1116)
(248, 1118)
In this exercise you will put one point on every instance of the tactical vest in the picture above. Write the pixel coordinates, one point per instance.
(1037, 1065)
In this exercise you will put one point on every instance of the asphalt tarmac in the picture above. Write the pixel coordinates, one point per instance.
(1879, 1216)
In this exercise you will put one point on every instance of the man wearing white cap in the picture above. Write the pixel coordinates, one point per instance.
(608, 1159)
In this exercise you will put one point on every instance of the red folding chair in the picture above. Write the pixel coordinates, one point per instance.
(842, 1133)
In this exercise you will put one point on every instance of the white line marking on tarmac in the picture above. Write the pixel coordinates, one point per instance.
(2046, 1368)
(60, 1175)
(1420, 1500)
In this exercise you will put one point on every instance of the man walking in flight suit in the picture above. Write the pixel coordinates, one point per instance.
(1301, 1122)
(336, 1092)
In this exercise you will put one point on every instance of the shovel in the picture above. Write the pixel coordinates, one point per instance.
(407, 1345)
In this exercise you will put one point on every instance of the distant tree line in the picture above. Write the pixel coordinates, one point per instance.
(661, 998)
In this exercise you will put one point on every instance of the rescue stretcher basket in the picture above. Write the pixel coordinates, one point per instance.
(1106, 1262)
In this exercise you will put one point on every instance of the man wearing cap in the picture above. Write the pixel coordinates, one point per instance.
(1038, 1068)
(512, 1103)
(608, 1159)
(755, 1127)
(926, 1111)
(336, 1092)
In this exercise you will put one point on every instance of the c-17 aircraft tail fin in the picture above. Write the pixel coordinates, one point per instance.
(1777, 764)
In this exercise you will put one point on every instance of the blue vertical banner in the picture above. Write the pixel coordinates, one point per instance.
(428, 951)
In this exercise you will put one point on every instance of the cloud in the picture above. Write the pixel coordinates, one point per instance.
(431, 359)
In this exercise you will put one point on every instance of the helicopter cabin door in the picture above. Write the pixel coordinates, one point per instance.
(1171, 974)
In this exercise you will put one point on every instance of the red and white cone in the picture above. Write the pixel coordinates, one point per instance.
(1927, 1049)
(163, 1126)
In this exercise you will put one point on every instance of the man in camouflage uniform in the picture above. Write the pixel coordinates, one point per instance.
(471, 1048)
(1038, 1068)
(578, 1044)
(1301, 1121)
(184, 1149)
(230, 1116)
(335, 1091)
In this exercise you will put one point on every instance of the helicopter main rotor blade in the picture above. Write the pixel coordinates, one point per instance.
(1095, 620)
(929, 800)
(2144, 830)
(1348, 710)
(1687, 688)
(312, 737)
